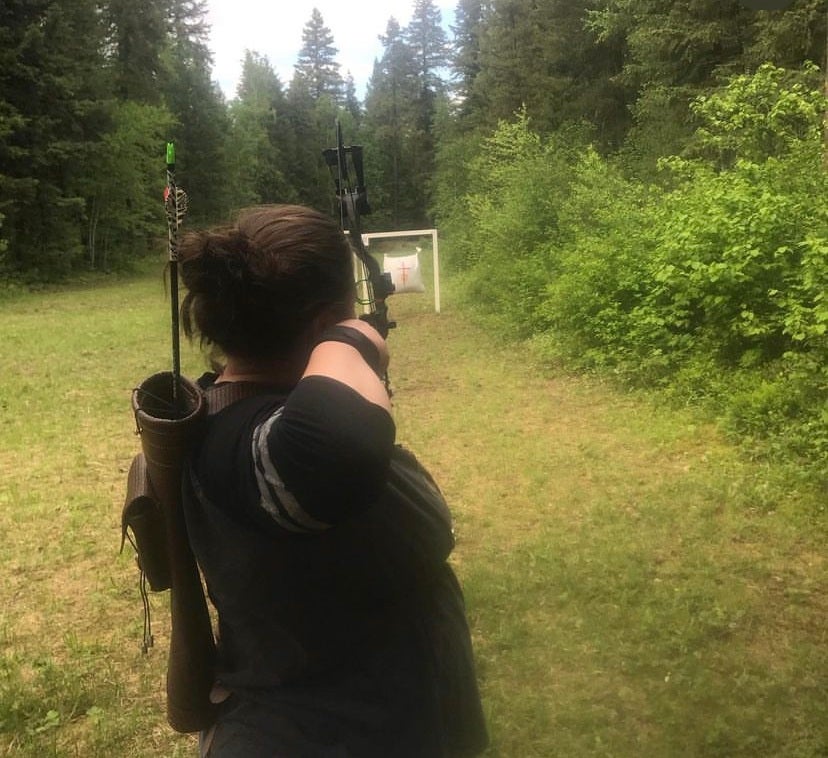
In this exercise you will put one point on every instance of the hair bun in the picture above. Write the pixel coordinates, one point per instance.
(255, 286)
(216, 263)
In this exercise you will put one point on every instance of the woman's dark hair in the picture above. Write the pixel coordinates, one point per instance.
(254, 288)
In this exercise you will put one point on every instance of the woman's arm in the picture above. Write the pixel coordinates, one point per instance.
(346, 363)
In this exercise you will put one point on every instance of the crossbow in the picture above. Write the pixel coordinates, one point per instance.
(352, 198)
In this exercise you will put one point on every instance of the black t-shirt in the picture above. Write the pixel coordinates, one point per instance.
(310, 460)
(338, 614)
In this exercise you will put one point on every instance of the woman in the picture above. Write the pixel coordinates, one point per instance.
(323, 544)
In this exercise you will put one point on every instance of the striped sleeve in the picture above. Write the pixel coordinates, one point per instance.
(275, 498)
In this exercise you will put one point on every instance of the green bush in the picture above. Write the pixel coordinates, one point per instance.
(711, 284)
(511, 217)
(604, 244)
(732, 274)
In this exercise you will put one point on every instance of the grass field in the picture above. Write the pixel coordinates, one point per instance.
(635, 589)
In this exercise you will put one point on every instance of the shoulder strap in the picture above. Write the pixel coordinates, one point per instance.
(219, 396)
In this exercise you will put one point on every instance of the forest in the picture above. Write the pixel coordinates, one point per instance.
(634, 188)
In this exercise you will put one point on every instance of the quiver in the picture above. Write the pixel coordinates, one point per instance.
(169, 425)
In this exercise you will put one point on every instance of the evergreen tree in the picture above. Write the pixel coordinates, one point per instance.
(304, 167)
(511, 46)
(137, 39)
(544, 57)
(676, 49)
(465, 51)
(52, 115)
(199, 108)
(352, 104)
(790, 38)
(428, 42)
(316, 67)
(261, 136)
(391, 119)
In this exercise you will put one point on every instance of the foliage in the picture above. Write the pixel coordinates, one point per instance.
(86, 93)
(468, 26)
(198, 107)
(718, 271)
(674, 52)
(124, 216)
(52, 114)
(766, 114)
(260, 136)
(456, 149)
(427, 40)
(3, 246)
(511, 215)
(608, 238)
(545, 58)
(403, 96)
(788, 39)
(316, 67)
(137, 34)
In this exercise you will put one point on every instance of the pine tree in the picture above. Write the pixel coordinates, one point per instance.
(546, 58)
(675, 50)
(790, 38)
(428, 42)
(465, 51)
(352, 104)
(53, 92)
(261, 136)
(311, 122)
(198, 105)
(316, 66)
(137, 39)
(391, 121)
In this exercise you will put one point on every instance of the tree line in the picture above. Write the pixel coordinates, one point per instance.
(635, 185)
(90, 88)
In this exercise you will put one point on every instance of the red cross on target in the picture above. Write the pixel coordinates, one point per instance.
(404, 269)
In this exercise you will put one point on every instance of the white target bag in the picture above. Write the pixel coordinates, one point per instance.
(405, 272)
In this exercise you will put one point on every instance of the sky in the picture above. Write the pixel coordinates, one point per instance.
(274, 29)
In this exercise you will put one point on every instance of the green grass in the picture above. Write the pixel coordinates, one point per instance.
(634, 587)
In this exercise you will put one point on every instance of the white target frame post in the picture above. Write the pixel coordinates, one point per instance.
(435, 253)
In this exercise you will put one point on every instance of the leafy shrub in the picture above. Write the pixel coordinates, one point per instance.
(728, 272)
(604, 244)
(711, 284)
(512, 215)
(767, 114)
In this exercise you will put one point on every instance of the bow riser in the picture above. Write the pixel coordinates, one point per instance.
(353, 203)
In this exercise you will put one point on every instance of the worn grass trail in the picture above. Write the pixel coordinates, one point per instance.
(634, 588)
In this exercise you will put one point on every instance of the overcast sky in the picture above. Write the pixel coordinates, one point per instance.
(274, 29)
